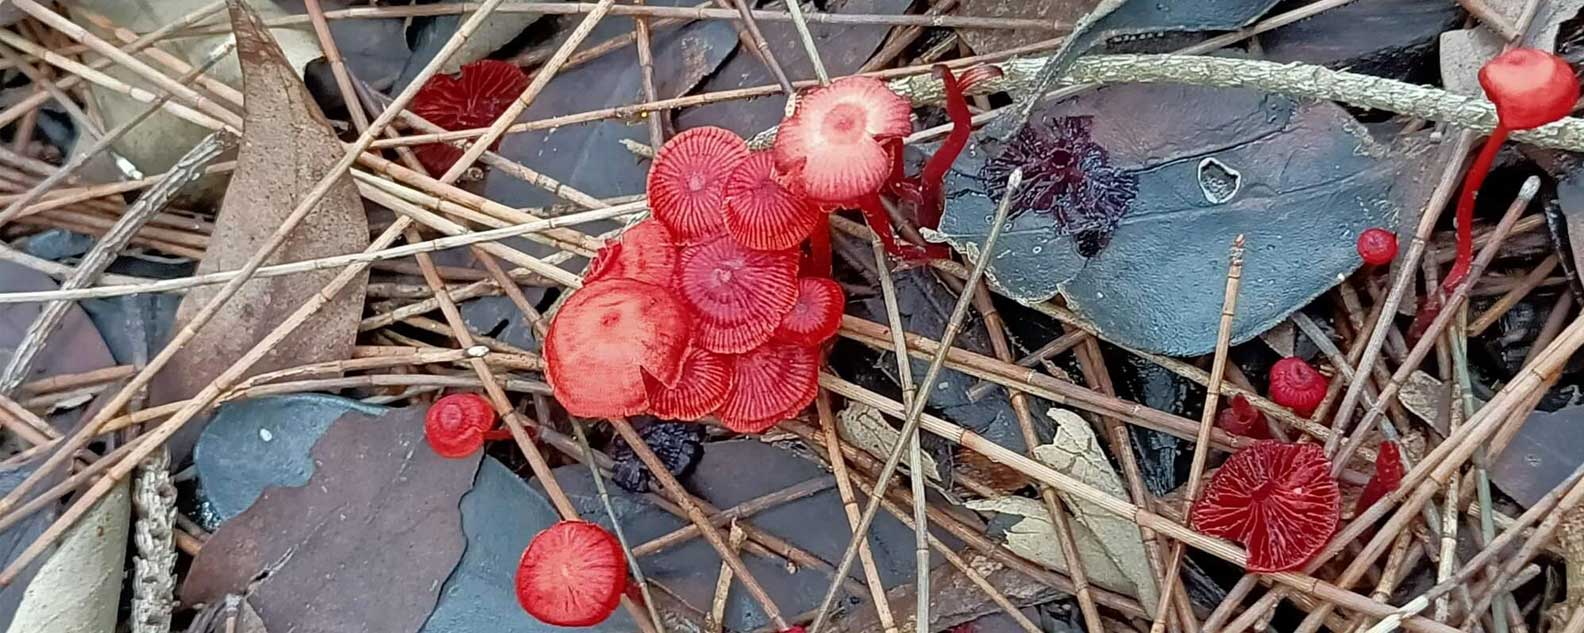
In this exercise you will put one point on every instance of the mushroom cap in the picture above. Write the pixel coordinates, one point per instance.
(770, 384)
(1276, 498)
(706, 379)
(1297, 385)
(1243, 419)
(606, 337)
(1388, 476)
(1377, 246)
(816, 316)
(572, 574)
(739, 294)
(482, 91)
(762, 212)
(1529, 87)
(834, 141)
(454, 425)
(687, 184)
(644, 253)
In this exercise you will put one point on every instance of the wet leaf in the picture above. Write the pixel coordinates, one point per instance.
(379, 517)
(75, 346)
(1570, 538)
(1426, 397)
(1076, 453)
(865, 427)
(432, 33)
(287, 148)
(1029, 533)
(1545, 451)
(1299, 180)
(1566, 221)
(1392, 38)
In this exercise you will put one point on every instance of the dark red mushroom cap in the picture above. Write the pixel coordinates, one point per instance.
(1377, 246)
(739, 294)
(1388, 475)
(1277, 499)
(687, 184)
(606, 338)
(644, 253)
(1243, 419)
(454, 425)
(771, 384)
(702, 388)
(1297, 385)
(816, 316)
(1529, 87)
(482, 91)
(762, 212)
(834, 142)
(572, 574)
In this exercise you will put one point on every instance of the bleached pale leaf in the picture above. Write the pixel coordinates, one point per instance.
(864, 427)
(1034, 537)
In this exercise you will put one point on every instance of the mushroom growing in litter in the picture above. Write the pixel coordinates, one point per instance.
(1243, 419)
(606, 338)
(687, 184)
(1296, 384)
(482, 91)
(1277, 499)
(1388, 475)
(817, 314)
(706, 378)
(645, 252)
(770, 384)
(835, 143)
(572, 574)
(1377, 246)
(764, 210)
(739, 294)
(456, 425)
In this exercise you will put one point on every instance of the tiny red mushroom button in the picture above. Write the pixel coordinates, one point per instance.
(1377, 246)
(454, 426)
(1297, 385)
(572, 574)
(1241, 418)
(1277, 499)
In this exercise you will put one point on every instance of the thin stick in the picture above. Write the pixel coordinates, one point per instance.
(646, 76)
(911, 421)
(838, 464)
(761, 47)
(1529, 282)
(1201, 453)
(717, 614)
(904, 365)
(800, 23)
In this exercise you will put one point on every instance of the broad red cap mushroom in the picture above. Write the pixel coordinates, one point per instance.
(1277, 499)
(739, 294)
(687, 184)
(454, 426)
(1529, 87)
(606, 337)
(1243, 419)
(1377, 246)
(482, 91)
(644, 253)
(762, 212)
(1388, 475)
(1297, 385)
(771, 384)
(572, 574)
(705, 381)
(835, 141)
(817, 314)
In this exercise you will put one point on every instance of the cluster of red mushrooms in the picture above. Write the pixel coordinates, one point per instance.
(712, 308)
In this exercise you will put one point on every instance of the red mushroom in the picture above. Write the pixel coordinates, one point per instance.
(481, 93)
(1377, 246)
(835, 141)
(1388, 475)
(1243, 419)
(644, 253)
(762, 211)
(687, 184)
(1277, 499)
(1297, 385)
(705, 381)
(817, 314)
(455, 425)
(771, 384)
(572, 574)
(739, 294)
(606, 338)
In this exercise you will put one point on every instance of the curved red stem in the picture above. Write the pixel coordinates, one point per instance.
(1465, 208)
(933, 178)
(820, 248)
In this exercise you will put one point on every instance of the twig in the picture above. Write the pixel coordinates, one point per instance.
(154, 567)
(646, 76)
(1530, 281)
(838, 464)
(717, 614)
(749, 30)
(800, 23)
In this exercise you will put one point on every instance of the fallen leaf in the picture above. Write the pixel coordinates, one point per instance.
(1546, 449)
(1570, 538)
(1076, 452)
(287, 147)
(78, 587)
(865, 427)
(955, 601)
(1031, 535)
(1386, 38)
(379, 517)
(75, 347)
(1566, 221)
(1425, 397)
(17, 537)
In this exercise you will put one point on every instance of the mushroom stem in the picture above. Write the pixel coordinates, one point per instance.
(1465, 208)
(933, 177)
(820, 248)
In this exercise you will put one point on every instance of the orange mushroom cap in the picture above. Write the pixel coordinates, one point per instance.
(480, 93)
(1529, 87)
(1276, 498)
(706, 379)
(572, 574)
(762, 212)
(644, 253)
(816, 316)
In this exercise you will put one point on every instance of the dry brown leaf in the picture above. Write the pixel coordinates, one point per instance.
(287, 147)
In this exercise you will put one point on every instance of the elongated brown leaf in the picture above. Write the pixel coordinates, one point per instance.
(287, 147)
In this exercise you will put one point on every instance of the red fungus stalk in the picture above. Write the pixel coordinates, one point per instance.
(687, 184)
(1297, 385)
(932, 179)
(706, 379)
(738, 294)
(481, 92)
(816, 316)
(764, 210)
(1388, 475)
(455, 426)
(1277, 499)
(572, 574)
(607, 338)
(1243, 419)
(1377, 246)
(771, 383)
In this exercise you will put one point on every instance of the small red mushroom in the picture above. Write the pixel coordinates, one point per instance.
(739, 294)
(644, 253)
(687, 184)
(771, 383)
(762, 211)
(817, 314)
(1297, 385)
(606, 338)
(835, 141)
(572, 574)
(455, 425)
(1277, 499)
(474, 99)
(702, 388)
(1243, 419)
(1388, 475)
(1377, 246)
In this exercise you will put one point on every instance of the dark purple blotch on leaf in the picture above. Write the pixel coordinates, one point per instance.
(1066, 175)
